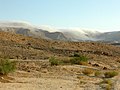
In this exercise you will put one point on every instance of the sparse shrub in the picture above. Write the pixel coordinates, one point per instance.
(110, 74)
(108, 87)
(107, 81)
(87, 71)
(83, 82)
(98, 73)
(83, 58)
(106, 84)
(53, 61)
(7, 66)
(74, 60)
(79, 60)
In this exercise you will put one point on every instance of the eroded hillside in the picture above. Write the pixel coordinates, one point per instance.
(34, 69)
(16, 46)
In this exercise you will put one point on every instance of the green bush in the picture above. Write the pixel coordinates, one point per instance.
(78, 60)
(7, 66)
(53, 61)
(110, 74)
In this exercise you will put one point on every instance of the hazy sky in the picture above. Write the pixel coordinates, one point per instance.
(93, 14)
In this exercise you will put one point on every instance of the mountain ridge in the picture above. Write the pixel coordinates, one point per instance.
(51, 33)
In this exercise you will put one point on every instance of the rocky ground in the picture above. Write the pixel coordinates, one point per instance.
(34, 71)
(39, 75)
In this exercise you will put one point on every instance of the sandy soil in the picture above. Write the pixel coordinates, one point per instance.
(32, 75)
(26, 83)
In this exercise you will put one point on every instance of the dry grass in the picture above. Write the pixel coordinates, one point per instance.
(108, 83)
(110, 74)
(88, 71)
(98, 73)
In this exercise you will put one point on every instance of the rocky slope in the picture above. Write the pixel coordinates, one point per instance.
(34, 71)
(16, 46)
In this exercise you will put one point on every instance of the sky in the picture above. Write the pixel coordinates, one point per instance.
(103, 15)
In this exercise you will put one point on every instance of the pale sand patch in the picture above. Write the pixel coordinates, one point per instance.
(40, 84)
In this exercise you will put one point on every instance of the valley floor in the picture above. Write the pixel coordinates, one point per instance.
(63, 77)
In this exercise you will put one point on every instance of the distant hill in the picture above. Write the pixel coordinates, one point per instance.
(27, 29)
(51, 33)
